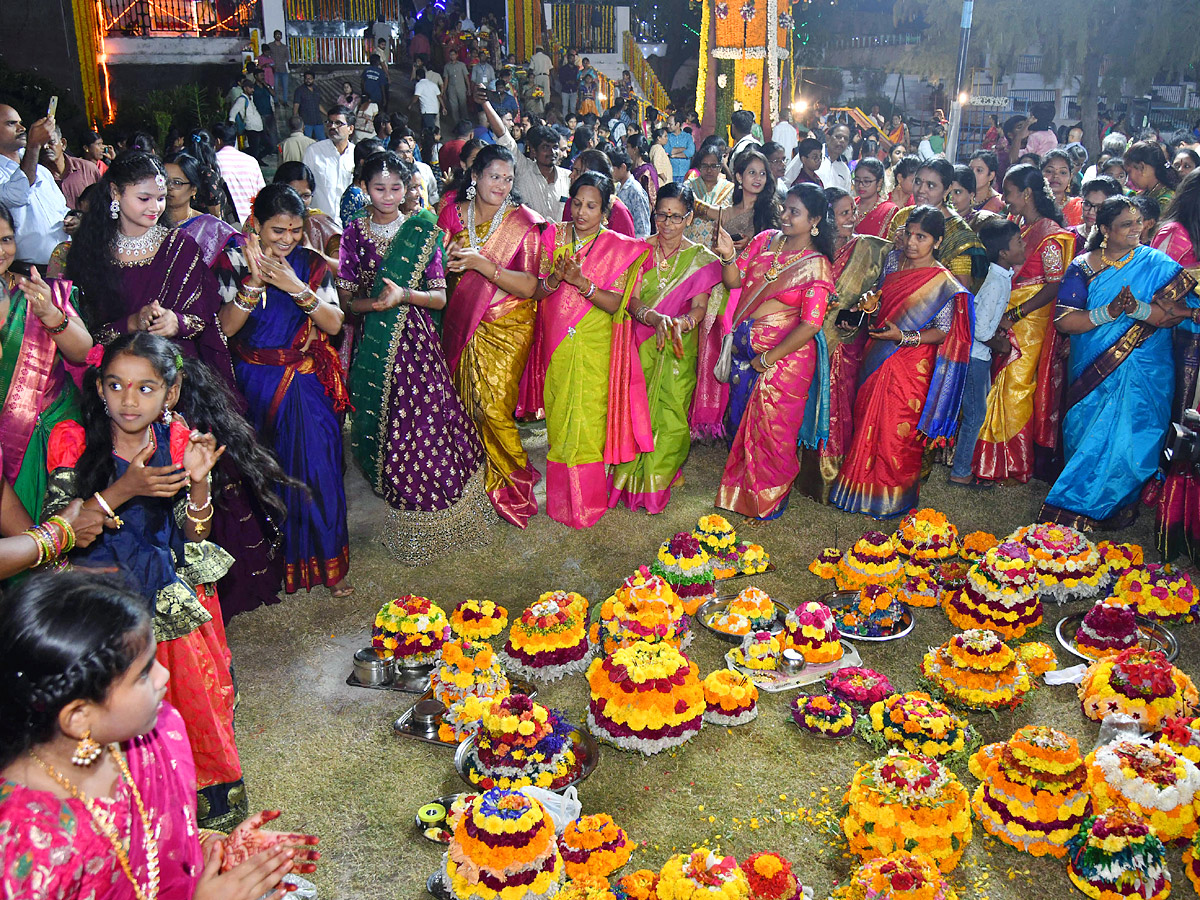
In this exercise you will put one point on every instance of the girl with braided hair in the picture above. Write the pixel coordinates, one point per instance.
(96, 777)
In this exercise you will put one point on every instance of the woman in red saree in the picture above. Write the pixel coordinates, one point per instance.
(912, 375)
(873, 211)
(496, 252)
(778, 381)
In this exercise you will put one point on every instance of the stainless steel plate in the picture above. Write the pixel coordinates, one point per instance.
(587, 751)
(838, 599)
(710, 609)
(407, 726)
(1151, 635)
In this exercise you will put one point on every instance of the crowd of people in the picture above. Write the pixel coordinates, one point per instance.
(184, 346)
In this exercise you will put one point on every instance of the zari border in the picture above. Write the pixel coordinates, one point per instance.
(415, 537)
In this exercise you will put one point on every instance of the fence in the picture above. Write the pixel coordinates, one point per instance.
(587, 27)
(345, 10)
(174, 17)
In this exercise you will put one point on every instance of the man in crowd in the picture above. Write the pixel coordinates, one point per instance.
(455, 86)
(307, 105)
(28, 189)
(507, 103)
(281, 58)
(242, 173)
(680, 147)
(332, 161)
(264, 102)
(246, 118)
(629, 192)
(741, 127)
(71, 174)
(483, 73)
(406, 148)
(541, 182)
(375, 81)
(568, 83)
(784, 134)
(539, 66)
(296, 143)
(429, 98)
(835, 166)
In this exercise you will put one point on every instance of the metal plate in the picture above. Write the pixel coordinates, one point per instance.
(446, 801)
(587, 751)
(710, 608)
(437, 887)
(770, 568)
(406, 727)
(409, 680)
(838, 599)
(1151, 635)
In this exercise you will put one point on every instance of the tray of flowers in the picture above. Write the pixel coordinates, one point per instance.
(823, 716)
(874, 613)
(594, 846)
(1160, 592)
(897, 876)
(859, 685)
(733, 616)
(549, 641)
(917, 723)
(1070, 566)
(1140, 683)
(977, 670)
(432, 722)
(433, 817)
(1139, 631)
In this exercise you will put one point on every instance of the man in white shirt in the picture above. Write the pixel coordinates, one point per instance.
(835, 169)
(430, 98)
(243, 108)
(539, 65)
(632, 194)
(785, 135)
(28, 189)
(406, 150)
(332, 162)
(542, 184)
(741, 126)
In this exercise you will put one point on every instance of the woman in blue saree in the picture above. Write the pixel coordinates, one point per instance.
(1117, 303)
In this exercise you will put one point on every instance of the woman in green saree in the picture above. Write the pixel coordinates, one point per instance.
(43, 345)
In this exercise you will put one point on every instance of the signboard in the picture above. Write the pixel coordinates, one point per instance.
(982, 102)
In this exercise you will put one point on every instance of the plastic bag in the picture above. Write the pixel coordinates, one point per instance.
(564, 808)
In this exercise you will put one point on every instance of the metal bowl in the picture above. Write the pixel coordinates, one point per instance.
(714, 607)
(838, 599)
(587, 751)
(427, 712)
(447, 802)
(1151, 635)
(372, 670)
(791, 662)
(437, 887)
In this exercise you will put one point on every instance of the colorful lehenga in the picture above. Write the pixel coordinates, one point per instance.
(1023, 406)
(1117, 408)
(645, 482)
(52, 847)
(409, 433)
(906, 395)
(176, 577)
(857, 267)
(295, 391)
(770, 413)
(960, 251)
(39, 392)
(878, 221)
(595, 392)
(487, 335)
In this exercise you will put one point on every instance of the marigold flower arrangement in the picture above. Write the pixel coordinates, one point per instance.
(730, 698)
(826, 563)
(1140, 683)
(646, 697)
(730, 623)
(1000, 593)
(752, 559)
(410, 628)
(1034, 792)
(907, 801)
(951, 578)
(1151, 780)
(810, 630)
(549, 640)
(920, 586)
(478, 620)
(859, 685)
(640, 885)
(1182, 734)
(1116, 856)
(1038, 657)
(702, 875)
(685, 565)
(594, 845)
(872, 560)
(823, 715)
(919, 724)
(926, 534)
(1121, 557)
(978, 670)
(974, 545)
(770, 877)
(897, 876)
(643, 608)
(877, 612)
(760, 650)
(755, 605)
(715, 534)
(1069, 564)
(503, 848)
(1160, 592)
(1191, 863)
(521, 743)
(462, 719)
(469, 668)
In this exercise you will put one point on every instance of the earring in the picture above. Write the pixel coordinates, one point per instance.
(114, 210)
(469, 193)
(815, 230)
(1103, 242)
(86, 750)
(166, 415)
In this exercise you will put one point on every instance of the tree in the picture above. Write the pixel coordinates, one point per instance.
(1103, 44)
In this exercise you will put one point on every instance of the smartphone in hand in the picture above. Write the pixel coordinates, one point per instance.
(53, 107)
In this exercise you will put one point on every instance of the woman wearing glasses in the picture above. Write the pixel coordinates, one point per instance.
(183, 186)
(677, 287)
(873, 211)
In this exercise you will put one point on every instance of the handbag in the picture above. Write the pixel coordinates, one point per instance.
(724, 367)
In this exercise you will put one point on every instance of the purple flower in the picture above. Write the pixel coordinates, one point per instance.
(748, 10)
(722, 10)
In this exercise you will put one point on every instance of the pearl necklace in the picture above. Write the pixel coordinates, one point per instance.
(477, 243)
(148, 242)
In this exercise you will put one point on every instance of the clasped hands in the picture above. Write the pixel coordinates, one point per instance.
(251, 861)
(265, 268)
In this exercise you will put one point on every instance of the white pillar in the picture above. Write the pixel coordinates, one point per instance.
(620, 26)
(274, 19)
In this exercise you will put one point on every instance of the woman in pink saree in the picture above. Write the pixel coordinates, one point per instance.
(595, 393)
(778, 385)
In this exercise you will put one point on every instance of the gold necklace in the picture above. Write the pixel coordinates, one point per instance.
(664, 264)
(104, 822)
(775, 269)
(1116, 263)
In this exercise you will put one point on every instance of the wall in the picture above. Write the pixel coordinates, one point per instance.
(41, 39)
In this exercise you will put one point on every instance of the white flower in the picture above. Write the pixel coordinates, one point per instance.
(722, 80)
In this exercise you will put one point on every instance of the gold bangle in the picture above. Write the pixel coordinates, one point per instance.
(108, 510)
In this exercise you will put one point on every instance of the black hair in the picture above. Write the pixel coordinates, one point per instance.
(872, 165)
(637, 142)
(1011, 123)
(1114, 162)
(1190, 154)
(770, 147)
(89, 138)
(189, 166)
(6, 215)
(294, 170)
(1058, 153)
(205, 402)
(339, 109)
(224, 132)
(1027, 177)
(582, 137)
(1184, 207)
(142, 141)
(540, 135)
(277, 199)
(488, 154)
(708, 148)
(814, 202)
(766, 205)
(363, 150)
(377, 162)
(1148, 207)
(964, 176)
(742, 120)
(63, 637)
(989, 159)
(619, 158)
(930, 219)
(1029, 158)
(1106, 183)
(942, 168)
(600, 182)
(906, 166)
(996, 235)
(1106, 215)
(91, 264)
(807, 146)
(594, 160)
(675, 190)
(1150, 153)
(834, 196)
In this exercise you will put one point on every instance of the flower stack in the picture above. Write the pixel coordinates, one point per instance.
(876, 614)
(1160, 592)
(594, 845)
(685, 565)
(1034, 793)
(858, 685)
(503, 846)
(810, 630)
(926, 535)
(978, 670)
(1038, 657)
(646, 697)
(826, 564)
(462, 719)
(1182, 734)
(478, 620)
(730, 698)
(973, 546)
(920, 586)
(1117, 856)
(469, 669)
(872, 560)
(587, 887)
(549, 641)
(1001, 593)
(919, 724)
(412, 629)
(906, 801)
(760, 650)
(756, 606)
(951, 578)
(522, 743)
(719, 541)
(770, 877)
(1070, 566)
(639, 885)
(1106, 630)
(897, 876)
(823, 715)
(1140, 683)
(702, 875)
(752, 559)
(644, 608)
(1121, 557)
(1151, 779)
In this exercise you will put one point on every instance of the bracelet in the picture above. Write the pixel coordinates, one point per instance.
(1101, 316)
(60, 327)
(199, 523)
(910, 338)
(252, 290)
(496, 274)
(245, 303)
(591, 291)
(691, 322)
(1193, 315)
(44, 547)
(763, 360)
(108, 510)
(1142, 313)
(728, 262)
(1017, 314)
(307, 308)
(68, 533)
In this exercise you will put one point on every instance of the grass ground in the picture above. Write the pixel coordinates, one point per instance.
(325, 753)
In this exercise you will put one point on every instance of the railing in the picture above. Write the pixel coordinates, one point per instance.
(573, 25)
(1029, 63)
(345, 10)
(175, 17)
(1035, 95)
(643, 74)
(867, 41)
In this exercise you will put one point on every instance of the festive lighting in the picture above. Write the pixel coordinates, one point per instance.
(800, 107)
(963, 98)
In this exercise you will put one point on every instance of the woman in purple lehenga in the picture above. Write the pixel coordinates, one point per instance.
(409, 433)
(184, 182)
